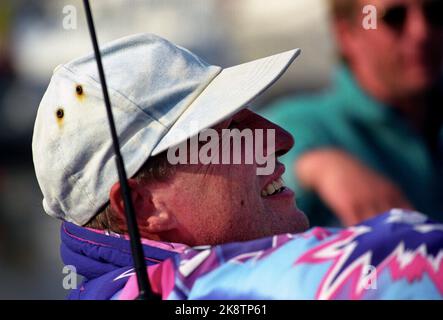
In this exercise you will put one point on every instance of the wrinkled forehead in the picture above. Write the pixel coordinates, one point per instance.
(247, 119)
(238, 117)
(244, 117)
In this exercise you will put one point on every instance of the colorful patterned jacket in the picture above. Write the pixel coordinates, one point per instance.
(397, 255)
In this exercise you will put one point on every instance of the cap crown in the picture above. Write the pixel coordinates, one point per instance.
(151, 82)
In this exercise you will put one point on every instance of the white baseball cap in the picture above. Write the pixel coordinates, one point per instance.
(156, 89)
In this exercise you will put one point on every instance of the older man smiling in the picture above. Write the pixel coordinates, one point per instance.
(157, 89)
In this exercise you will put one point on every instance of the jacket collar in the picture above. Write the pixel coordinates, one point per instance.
(94, 253)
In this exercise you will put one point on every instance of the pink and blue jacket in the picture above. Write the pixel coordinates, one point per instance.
(396, 255)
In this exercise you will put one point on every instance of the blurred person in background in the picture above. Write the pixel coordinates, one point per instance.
(373, 141)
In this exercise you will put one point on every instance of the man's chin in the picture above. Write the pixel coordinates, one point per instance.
(297, 221)
(421, 78)
(301, 221)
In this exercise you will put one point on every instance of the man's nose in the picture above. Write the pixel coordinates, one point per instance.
(284, 141)
(417, 28)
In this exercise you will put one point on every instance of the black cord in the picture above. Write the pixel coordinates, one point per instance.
(145, 291)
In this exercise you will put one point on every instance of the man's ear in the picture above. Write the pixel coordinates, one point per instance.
(152, 218)
(345, 34)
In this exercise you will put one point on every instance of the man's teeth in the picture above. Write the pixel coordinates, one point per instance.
(273, 187)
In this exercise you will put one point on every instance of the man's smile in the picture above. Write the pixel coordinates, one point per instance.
(274, 185)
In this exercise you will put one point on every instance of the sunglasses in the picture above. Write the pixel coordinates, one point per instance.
(395, 16)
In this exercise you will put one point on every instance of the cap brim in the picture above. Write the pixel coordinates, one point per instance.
(229, 92)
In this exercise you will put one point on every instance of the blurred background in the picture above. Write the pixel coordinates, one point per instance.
(33, 42)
